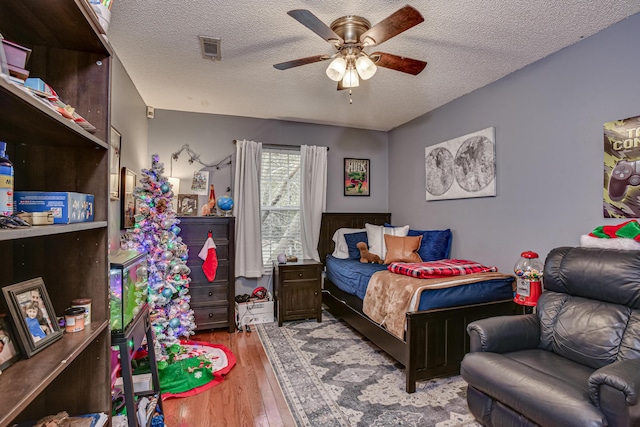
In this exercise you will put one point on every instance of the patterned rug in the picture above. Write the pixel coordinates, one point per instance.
(332, 376)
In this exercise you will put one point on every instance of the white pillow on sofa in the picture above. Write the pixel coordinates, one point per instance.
(375, 236)
(340, 248)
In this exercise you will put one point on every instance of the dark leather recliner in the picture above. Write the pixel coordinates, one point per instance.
(576, 361)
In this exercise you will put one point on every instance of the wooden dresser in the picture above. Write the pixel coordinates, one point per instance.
(212, 302)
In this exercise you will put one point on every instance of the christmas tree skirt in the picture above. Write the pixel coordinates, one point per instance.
(202, 366)
(198, 367)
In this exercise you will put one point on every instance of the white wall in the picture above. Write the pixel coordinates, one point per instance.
(549, 151)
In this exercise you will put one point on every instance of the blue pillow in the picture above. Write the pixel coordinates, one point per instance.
(435, 245)
(352, 240)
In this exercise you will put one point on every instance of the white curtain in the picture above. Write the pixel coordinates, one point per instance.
(313, 165)
(247, 200)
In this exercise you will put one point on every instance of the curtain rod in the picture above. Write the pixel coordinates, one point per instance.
(283, 146)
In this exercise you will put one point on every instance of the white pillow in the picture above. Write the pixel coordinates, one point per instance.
(375, 236)
(340, 248)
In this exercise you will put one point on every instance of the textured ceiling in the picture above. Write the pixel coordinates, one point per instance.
(467, 44)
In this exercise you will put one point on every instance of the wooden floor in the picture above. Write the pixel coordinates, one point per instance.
(248, 396)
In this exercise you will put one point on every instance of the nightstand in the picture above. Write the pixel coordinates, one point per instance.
(298, 290)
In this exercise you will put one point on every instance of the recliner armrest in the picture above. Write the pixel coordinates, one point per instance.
(623, 376)
(503, 334)
(615, 389)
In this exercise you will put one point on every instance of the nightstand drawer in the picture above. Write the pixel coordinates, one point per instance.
(300, 274)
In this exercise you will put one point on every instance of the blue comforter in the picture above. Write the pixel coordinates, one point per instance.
(352, 276)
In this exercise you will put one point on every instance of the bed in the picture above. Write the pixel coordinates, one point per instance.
(435, 339)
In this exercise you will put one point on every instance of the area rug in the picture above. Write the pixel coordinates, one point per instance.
(332, 376)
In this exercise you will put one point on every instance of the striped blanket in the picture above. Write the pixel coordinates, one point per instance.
(442, 268)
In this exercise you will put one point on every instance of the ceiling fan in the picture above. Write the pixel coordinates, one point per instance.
(350, 35)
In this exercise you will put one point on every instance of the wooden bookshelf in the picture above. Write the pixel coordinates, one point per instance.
(51, 153)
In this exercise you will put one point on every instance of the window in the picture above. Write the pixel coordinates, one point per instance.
(280, 199)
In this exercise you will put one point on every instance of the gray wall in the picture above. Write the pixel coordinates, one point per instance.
(128, 116)
(211, 136)
(548, 119)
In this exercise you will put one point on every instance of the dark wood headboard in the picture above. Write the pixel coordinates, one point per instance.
(331, 221)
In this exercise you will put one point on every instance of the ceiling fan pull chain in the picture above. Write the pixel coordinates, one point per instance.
(350, 100)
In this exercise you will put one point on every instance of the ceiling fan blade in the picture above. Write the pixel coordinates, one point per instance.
(300, 61)
(397, 22)
(312, 22)
(398, 63)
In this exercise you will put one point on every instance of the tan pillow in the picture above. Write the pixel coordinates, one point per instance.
(402, 249)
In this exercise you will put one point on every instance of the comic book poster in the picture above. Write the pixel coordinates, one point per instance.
(356, 177)
(622, 168)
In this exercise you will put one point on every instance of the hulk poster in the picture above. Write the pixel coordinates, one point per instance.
(622, 168)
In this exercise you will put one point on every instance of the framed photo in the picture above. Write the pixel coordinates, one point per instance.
(32, 313)
(115, 145)
(9, 353)
(200, 183)
(129, 203)
(356, 177)
(187, 205)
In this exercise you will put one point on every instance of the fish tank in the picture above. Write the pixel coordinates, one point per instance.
(127, 287)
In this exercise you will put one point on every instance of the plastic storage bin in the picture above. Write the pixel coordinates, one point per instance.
(127, 287)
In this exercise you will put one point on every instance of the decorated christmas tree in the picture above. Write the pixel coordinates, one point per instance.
(156, 233)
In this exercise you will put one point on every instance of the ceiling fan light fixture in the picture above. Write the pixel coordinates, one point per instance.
(337, 68)
(350, 78)
(365, 66)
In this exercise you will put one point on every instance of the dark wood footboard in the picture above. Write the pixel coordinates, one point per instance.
(436, 340)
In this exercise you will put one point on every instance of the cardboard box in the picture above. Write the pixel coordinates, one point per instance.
(254, 312)
(67, 207)
(37, 218)
(141, 383)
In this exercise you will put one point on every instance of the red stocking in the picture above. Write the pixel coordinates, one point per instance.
(210, 257)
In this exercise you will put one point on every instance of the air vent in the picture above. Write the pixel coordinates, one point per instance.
(210, 48)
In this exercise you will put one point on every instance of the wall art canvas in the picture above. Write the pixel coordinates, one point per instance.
(356, 177)
(621, 191)
(200, 183)
(462, 167)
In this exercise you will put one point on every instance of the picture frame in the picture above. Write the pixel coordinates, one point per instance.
(115, 146)
(9, 350)
(462, 167)
(33, 315)
(200, 183)
(129, 206)
(357, 177)
(187, 205)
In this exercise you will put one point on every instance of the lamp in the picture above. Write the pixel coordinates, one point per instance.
(350, 78)
(335, 70)
(365, 66)
(175, 184)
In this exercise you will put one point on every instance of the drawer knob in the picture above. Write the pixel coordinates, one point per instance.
(210, 293)
(299, 274)
(210, 314)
